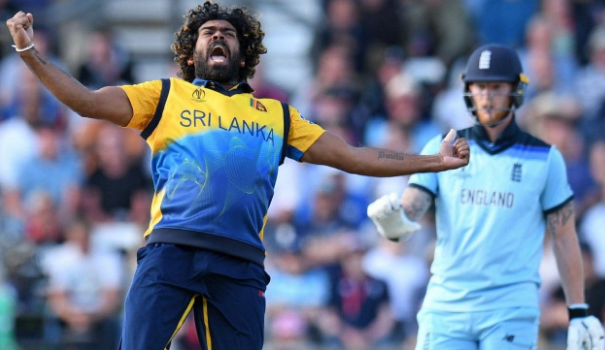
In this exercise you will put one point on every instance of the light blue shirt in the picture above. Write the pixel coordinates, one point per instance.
(490, 219)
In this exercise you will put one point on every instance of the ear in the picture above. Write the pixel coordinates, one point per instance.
(190, 62)
(242, 63)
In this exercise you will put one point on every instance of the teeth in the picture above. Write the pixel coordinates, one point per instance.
(219, 59)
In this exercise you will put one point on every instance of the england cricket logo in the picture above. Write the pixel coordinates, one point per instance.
(485, 59)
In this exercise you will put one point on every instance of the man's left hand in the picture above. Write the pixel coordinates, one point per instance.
(585, 333)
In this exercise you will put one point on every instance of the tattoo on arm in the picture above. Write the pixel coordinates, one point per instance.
(560, 217)
(416, 203)
(388, 155)
(45, 61)
(40, 57)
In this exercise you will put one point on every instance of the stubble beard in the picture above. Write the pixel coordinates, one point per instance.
(228, 73)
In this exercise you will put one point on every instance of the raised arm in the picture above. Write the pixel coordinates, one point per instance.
(333, 151)
(108, 103)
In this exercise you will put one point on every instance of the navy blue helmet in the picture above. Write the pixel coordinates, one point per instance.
(495, 63)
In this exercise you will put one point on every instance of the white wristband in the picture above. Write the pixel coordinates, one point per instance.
(28, 47)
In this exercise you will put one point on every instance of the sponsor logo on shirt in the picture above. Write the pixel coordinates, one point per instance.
(201, 119)
(258, 105)
(462, 173)
(198, 95)
(487, 198)
(517, 172)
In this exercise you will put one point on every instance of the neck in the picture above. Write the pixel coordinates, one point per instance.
(228, 86)
(495, 131)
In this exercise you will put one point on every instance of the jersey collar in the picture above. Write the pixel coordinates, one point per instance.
(242, 87)
(503, 142)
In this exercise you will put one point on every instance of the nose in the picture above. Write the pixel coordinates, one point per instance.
(218, 35)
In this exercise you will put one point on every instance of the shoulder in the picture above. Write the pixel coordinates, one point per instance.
(466, 133)
(526, 139)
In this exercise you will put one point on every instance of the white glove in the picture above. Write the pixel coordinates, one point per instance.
(585, 333)
(390, 219)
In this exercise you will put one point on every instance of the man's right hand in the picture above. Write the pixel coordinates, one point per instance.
(21, 27)
(454, 154)
(390, 219)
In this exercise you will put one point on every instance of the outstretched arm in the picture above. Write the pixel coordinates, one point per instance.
(333, 151)
(108, 103)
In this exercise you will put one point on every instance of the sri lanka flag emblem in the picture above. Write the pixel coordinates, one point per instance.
(256, 104)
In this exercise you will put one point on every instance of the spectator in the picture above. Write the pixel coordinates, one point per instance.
(55, 170)
(590, 83)
(18, 140)
(406, 276)
(84, 290)
(342, 26)
(358, 316)
(113, 188)
(106, 64)
(404, 127)
(294, 301)
(592, 227)
(554, 319)
(439, 28)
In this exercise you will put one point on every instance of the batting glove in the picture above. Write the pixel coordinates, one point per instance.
(390, 219)
(585, 332)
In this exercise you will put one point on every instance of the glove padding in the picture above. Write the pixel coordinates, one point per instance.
(390, 219)
(585, 333)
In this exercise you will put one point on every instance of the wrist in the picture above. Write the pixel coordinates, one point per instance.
(577, 311)
(27, 48)
(434, 163)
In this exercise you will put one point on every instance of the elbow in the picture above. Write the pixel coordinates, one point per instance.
(88, 106)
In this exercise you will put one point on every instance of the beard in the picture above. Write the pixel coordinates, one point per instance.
(222, 74)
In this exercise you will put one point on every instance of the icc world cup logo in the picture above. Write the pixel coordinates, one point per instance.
(198, 94)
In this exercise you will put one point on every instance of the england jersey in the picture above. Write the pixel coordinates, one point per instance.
(491, 218)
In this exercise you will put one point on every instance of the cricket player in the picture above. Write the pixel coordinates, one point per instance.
(491, 219)
(216, 151)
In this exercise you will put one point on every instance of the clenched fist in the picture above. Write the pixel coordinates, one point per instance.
(21, 29)
(454, 154)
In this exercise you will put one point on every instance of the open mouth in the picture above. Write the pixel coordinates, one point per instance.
(218, 54)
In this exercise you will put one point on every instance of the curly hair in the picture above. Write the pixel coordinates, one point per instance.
(249, 34)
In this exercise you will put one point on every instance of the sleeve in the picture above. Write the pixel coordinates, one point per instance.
(557, 191)
(303, 133)
(427, 181)
(144, 99)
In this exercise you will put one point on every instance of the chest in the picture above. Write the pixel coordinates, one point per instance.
(507, 179)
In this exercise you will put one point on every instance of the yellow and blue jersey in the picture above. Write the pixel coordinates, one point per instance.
(215, 158)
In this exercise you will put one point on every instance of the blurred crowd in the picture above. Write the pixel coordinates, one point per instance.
(75, 193)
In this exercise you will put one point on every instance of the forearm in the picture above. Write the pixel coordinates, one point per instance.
(415, 203)
(383, 163)
(569, 262)
(66, 88)
(561, 224)
(333, 151)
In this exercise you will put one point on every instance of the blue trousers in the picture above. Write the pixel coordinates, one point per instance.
(504, 329)
(225, 293)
